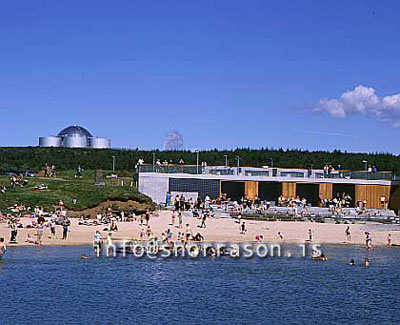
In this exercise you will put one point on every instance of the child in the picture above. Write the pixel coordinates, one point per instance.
(389, 240)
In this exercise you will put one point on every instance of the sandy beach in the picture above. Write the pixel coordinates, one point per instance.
(220, 230)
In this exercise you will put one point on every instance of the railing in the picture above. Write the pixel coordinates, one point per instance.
(169, 169)
(193, 169)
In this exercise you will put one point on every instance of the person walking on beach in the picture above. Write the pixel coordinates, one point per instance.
(389, 240)
(65, 230)
(348, 234)
(203, 221)
(3, 248)
(368, 241)
(147, 216)
(173, 219)
(243, 228)
(142, 234)
(180, 220)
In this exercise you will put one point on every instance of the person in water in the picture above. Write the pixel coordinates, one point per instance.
(352, 263)
(367, 263)
(97, 242)
(3, 247)
(84, 257)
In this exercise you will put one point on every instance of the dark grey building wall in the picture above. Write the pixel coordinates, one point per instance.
(202, 186)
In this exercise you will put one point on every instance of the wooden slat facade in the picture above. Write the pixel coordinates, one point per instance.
(251, 189)
(372, 194)
(326, 190)
(289, 189)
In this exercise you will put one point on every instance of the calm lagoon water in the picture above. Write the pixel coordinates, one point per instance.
(53, 285)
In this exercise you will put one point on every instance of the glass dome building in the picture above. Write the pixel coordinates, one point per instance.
(75, 136)
(74, 131)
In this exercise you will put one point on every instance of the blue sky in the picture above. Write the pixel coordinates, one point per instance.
(226, 74)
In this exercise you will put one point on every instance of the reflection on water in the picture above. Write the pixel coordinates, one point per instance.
(53, 285)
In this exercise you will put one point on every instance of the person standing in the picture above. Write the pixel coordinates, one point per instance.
(180, 220)
(309, 235)
(188, 232)
(389, 240)
(97, 242)
(39, 232)
(243, 228)
(348, 234)
(173, 219)
(53, 229)
(368, 240)
(65, 230)
(147, 216)
(14, 232)
(3, 248)
(203, 220)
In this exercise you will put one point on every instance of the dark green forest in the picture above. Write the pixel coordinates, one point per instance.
(34, 158)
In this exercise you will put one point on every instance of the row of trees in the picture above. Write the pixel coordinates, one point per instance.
(65, 158)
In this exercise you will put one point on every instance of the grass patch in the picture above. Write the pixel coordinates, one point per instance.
(65, 187)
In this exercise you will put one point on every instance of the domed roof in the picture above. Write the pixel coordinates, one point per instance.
(74, 131)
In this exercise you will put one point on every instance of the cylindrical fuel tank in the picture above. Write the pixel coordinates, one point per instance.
(50, 142)
(75, 142)
(99, 143)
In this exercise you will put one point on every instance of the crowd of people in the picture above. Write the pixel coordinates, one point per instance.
(291, 202)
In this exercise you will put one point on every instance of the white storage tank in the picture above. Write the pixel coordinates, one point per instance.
(75, 142)
(99, 143)
(50, 142)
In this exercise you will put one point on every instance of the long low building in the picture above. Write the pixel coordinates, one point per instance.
(270, 183)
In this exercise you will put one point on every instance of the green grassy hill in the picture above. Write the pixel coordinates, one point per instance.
(65, 187)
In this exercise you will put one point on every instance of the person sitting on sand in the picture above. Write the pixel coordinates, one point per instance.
(29, 239)
(198, 237)
(280, 236)
(259, 237)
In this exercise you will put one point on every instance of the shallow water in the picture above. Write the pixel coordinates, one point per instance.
(53, 285)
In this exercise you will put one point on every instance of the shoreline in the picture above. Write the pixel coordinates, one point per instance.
(223, 230)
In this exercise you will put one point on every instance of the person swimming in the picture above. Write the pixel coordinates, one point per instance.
(367, 263)
(84, 257)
